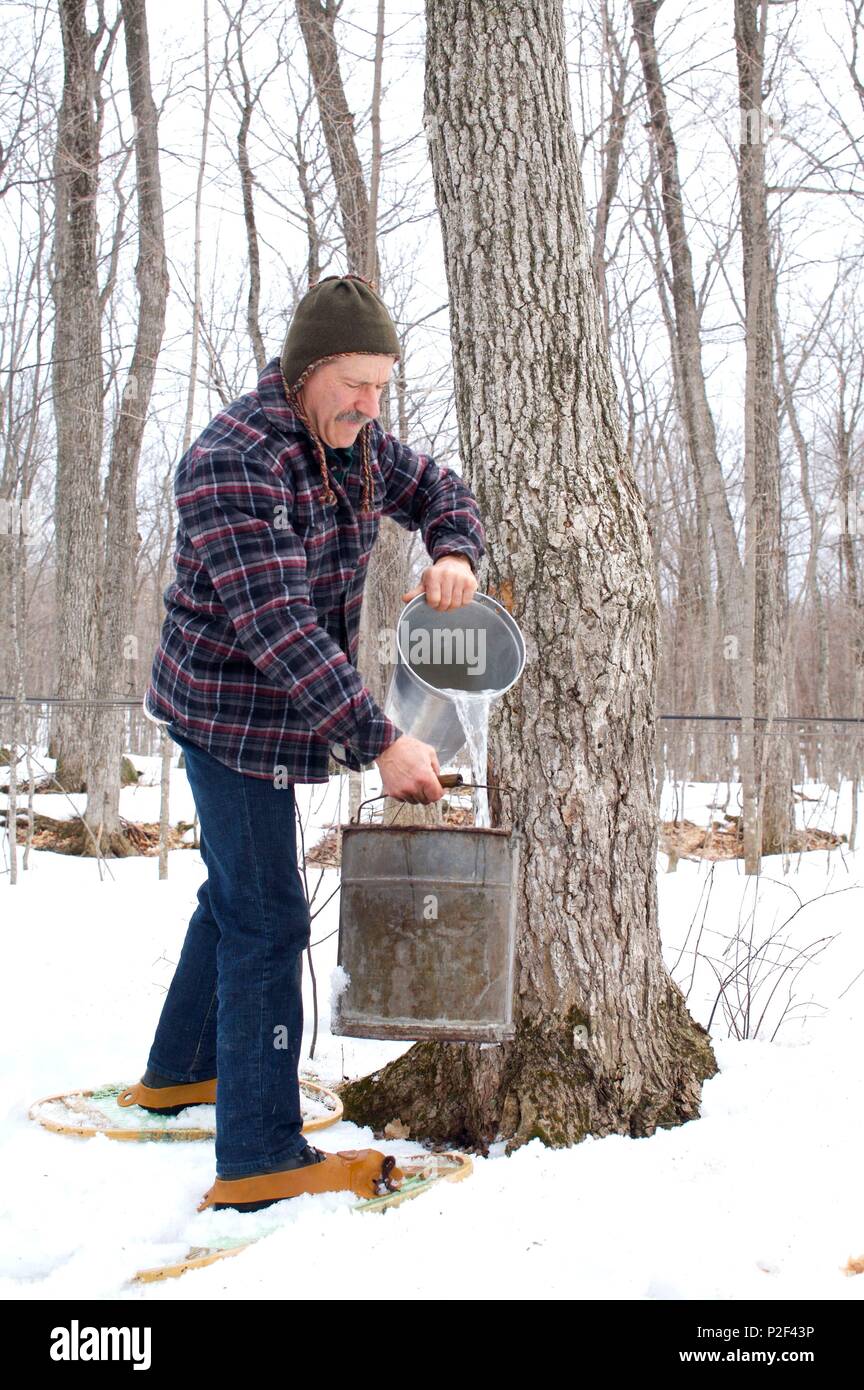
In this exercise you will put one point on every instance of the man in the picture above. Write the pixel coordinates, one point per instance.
(279, 503)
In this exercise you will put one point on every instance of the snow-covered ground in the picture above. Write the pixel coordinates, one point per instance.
(760, 1198)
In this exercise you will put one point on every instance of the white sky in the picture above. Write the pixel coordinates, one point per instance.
(697, 59)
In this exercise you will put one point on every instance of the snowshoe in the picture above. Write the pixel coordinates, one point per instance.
(366, 1172)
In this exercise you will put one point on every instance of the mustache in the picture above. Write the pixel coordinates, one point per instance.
(353, 418)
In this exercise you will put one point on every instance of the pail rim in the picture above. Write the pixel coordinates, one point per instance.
(481, 599)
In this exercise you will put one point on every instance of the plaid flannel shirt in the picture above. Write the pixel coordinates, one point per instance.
(255, 658)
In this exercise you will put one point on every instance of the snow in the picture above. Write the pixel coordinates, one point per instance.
(339, 982)
(760, 1198)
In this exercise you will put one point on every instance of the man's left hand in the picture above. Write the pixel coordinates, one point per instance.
(449, 583)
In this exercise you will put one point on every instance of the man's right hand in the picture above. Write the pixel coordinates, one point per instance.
(409, 771)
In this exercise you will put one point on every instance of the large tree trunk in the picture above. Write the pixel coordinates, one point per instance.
(77, 381)
(116, 663)
(764, 545)
(604, 1042)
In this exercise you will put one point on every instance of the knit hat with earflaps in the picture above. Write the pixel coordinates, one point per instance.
(339, 316)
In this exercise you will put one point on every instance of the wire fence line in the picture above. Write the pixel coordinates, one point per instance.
(120, 702)
(825, 751)
(689, 747)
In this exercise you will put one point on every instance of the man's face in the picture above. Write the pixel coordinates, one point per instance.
(341, 397)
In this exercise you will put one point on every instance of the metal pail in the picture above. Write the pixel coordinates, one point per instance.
(427, 931)
(477, 647)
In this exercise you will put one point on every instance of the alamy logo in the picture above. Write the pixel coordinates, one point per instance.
(102, 1344)
(445, 646)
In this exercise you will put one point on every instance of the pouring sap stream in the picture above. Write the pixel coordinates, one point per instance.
(450, 667)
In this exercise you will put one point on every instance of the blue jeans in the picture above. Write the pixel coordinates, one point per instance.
(235, 1007)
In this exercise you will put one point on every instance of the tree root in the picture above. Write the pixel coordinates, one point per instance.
(547, 1083)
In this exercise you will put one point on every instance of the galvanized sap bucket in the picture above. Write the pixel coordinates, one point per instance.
(427, 914)
(427, 931)
(477, 647)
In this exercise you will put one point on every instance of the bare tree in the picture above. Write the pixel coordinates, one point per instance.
(77, 371)
(847, 356)
(810, 592)
(165, 511)
(765, 563)
(317, 19)
(614, 77)
(247, 98)
(389, 562)
(695, 412)
(117, 643)
(26, 446)
(196, 250)
(23, 451)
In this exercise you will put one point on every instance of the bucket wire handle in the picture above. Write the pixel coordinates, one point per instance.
(447, 779)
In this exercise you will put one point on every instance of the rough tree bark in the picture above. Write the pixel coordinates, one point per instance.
(604, 1042)
(114, 666)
